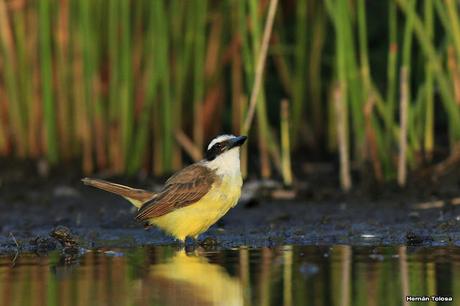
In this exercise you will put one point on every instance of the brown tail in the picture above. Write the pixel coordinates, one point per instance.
(137, 197)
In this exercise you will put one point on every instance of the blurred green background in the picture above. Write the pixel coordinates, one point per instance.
(124, 86)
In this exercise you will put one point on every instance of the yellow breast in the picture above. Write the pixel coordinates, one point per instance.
(196, 218)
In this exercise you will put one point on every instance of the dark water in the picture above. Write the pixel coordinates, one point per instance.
(291, 275)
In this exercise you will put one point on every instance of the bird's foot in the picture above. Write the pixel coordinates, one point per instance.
(209, 242)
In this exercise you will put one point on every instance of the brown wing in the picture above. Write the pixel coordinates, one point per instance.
(182, 189)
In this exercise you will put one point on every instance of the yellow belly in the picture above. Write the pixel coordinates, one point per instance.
(196, 218)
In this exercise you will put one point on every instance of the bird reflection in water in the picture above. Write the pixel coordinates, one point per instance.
(190, 279)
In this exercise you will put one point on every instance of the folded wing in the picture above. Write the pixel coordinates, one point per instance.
(182, 189)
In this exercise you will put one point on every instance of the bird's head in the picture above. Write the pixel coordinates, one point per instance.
(224, 146)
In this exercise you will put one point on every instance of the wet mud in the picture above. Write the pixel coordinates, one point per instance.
(58, 212)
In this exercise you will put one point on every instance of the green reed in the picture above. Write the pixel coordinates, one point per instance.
(299, 75)
(44, 12)
(114, 83)
(429, 86)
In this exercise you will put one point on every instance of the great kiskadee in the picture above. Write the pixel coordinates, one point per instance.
(194, 198)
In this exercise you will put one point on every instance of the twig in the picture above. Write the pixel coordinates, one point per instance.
(15, 241)
(448, 164)
(17, 248)
(428, 205)
(437, 203)
(260, 65)
(192, 150)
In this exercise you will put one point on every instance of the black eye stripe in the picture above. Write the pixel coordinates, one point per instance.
(218, 146)
(215, 150)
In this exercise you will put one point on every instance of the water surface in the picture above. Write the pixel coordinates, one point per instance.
(289, 275)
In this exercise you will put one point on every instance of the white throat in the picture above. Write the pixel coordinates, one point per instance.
(227, 163)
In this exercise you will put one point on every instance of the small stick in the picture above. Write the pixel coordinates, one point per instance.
(447, 164)
(260, 65)
(15, 241)
(187, 144)
(428, 205)
(437, 204)
(17, 248)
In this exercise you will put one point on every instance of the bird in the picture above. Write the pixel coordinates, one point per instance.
(192, 199)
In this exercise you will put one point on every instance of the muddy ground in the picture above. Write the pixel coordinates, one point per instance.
(426, 213)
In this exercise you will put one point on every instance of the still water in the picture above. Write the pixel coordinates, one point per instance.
(289, 275)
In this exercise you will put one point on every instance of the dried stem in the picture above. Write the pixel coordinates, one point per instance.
(403, 105)
(342, 139)
(260, 65)
(285, 144)
(187, 144)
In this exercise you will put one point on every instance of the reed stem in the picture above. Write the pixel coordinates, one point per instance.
(285, 143)
(403, 108)
(260, 65)
(429, 90)
(342, 139)
(47, 80)
(114, 86)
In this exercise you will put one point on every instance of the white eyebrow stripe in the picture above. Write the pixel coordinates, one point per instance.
(220, 139)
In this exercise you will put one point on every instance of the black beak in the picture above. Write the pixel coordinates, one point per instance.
(237, 141)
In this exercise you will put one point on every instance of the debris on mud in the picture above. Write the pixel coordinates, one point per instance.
(68, 241)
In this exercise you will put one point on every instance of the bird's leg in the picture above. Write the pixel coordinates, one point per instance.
(209, 241)
(180, 242)
(195, 240)
(190, 244)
